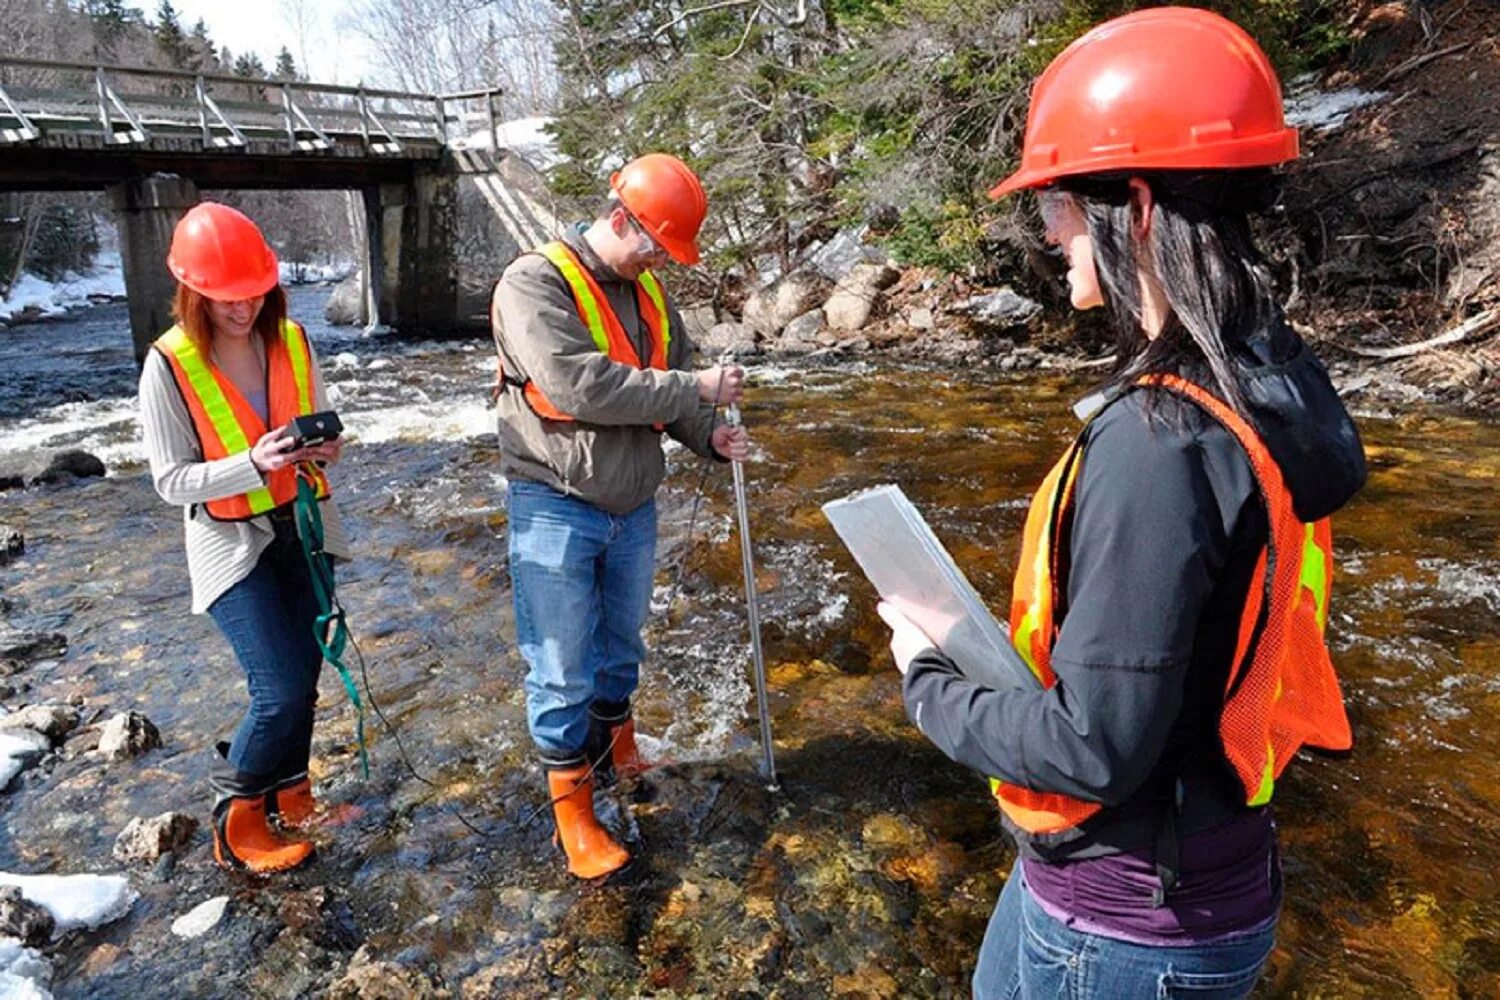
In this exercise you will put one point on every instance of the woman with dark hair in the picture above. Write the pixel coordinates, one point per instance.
(1173, 582)
(217, 392)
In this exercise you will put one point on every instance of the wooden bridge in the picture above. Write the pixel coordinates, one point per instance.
(152, 138)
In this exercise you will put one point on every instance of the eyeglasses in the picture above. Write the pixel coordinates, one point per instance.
(653, 248)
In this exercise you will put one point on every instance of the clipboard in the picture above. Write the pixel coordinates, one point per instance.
(909, 567)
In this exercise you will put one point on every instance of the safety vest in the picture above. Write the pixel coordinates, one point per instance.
(603, 325)
(1282, 691)
(227, 424)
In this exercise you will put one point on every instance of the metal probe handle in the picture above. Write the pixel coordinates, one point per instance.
(742, 509)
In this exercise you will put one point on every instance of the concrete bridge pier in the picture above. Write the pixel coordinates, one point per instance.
(412, 232)
(148, 209)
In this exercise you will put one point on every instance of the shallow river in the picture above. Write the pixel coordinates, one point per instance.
(873, 870)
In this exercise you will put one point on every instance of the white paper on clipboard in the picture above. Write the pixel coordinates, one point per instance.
(909, 567)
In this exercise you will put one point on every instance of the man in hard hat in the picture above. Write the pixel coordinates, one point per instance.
(592, 356)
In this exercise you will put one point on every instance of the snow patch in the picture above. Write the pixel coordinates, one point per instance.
(72, 291)
(19, 748)
(24, 973)
(1322, 110)
(76, 901)
(526, 137)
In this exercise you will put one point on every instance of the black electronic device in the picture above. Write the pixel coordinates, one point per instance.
(315, 428)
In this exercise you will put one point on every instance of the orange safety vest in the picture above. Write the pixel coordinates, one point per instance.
(603, 325)
(1282, 691)
(227, 424)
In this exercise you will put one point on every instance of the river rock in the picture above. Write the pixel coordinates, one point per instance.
(840, 256)
(12, 542)
(148, 839)
(770, 309)
(52, 721)
(128, 734)
(370, 980)
(801, 334)
(1003, 308)
(921, 318)
(727, 338)
(72, 464)
(856, 296)
(19, 647)
(21, 918)
(346, 304)
(200, 919)
(698, 320)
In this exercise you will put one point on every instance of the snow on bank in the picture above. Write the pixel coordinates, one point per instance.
(296, 272)
(1310, 108)
(524, 136)
(106, 280)
(19, 748)
(76, 901)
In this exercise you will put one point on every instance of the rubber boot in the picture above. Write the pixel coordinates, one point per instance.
(292, 802)
(592, 852)
(244, 839)
(612, 748)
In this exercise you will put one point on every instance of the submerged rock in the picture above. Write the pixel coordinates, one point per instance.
(19, 647)
(148, 839)
(369, 980)
(128, 734)
(71, 464)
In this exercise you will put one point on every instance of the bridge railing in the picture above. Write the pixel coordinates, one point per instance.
(48, 100)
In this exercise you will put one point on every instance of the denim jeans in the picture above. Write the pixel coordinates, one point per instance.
(1027, 953)
(581, 579)
(268, 619)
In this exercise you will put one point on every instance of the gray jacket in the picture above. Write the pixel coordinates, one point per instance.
(609, 455)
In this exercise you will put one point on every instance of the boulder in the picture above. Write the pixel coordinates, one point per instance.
(855, 297)
(771, 309)
(71, 464)
(837, 258)
(52, 721)
(1003, 308)
(698, 319)
(727, 338)
(128, 734)
(801, 335)
(148, 839)
(921, 318)
(346, 304)
(21, 918)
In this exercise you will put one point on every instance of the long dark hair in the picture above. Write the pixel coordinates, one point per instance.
(1201, 251)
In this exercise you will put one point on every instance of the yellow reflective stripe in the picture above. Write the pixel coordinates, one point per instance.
(564, 262)
(296, 349)
(1267, 779)
(206, 388)
(1314, 575)
(653, 290)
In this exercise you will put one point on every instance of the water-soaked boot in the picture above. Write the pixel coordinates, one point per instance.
(291, 802)
(591, 851)
(243, 836)
(612, 746)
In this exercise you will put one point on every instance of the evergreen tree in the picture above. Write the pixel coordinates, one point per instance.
(171, 41)
(286, 66)
(250, 65)
(108, 19)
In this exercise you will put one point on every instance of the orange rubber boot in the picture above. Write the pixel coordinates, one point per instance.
(244, 839)
(627, 759)
(295, 805)
(591, 851)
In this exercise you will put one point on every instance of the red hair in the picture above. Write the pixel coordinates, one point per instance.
(190, 309)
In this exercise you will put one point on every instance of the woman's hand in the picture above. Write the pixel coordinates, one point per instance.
(731, 442)
(907, 638)
(273, 451)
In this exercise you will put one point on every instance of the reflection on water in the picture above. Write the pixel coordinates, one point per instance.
(873, 873)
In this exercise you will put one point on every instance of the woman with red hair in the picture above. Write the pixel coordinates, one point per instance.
(217, 393)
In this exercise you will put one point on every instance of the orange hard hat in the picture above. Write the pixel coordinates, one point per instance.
(218, 252)
(1167, 88)
(666, 197)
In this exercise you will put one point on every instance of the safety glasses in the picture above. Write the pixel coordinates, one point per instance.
(653, 248)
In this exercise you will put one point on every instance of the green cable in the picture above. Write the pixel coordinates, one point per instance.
(331, 613)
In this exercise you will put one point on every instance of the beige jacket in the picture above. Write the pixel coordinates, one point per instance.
(219, 553)
(609, 456)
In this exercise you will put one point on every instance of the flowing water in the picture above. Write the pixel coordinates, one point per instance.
(873, 870)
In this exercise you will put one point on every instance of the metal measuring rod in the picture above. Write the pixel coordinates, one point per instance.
(742, 508)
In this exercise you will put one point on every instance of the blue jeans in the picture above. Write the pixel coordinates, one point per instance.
(1028, 953)
(268, 619)
(581, 579)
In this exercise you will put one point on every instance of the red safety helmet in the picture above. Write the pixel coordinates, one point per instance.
(218, 252)
(666, 197)
(1168, 88)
